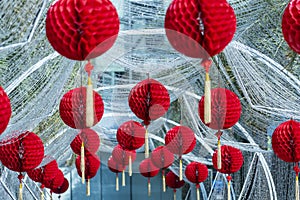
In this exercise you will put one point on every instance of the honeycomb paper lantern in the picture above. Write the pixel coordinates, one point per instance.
(62, 188)
(22, 152)
(290, 25)
(131, 135)
(148, 170)
(89, 138)
(56, 182)
(173, 181)
(44, 173)
(91, 166)
(149, 100)
(196, 173)
(286, 141)
(5, 110)
(72, 108)
(115, 168)
(121, 155)
(81, 30)
(200, 28)
(162, 158)
(225, 109)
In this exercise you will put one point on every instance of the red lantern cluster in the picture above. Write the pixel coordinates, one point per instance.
(200, 29)
(72, 108)
(225, 109)
(82, 30)
(5, 110)
(290, 24)
(232, 159)
(89, 138)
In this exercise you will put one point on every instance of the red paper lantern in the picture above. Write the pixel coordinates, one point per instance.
(149, 100)
(161, 157)
(148, 170)
(90, 140)
(114, 166)
(61, 189)
(196, 172)
(180, 140)
(44, 173)
(286, 141)
(81, 30)
(92, 164)
(5, 110)
(290, 25)
(121, 156)
(131, 135)
(200, 28)
(72, 108)
(173, 181)
(56, 182)
(22, 153)
(232, 160)
(225, 109)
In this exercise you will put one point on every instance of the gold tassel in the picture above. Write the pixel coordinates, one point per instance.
(130, 165)
(146, 144)
(164, 182)
(89, 104)
(297, 188)
(198, 193)
(207, 100)
(149, 187)
(20, 191)
(123, 178)
(82, 163)
(219, 158)
(117, 182)
(88, 188)
(174, 194)
(42, 195)
(228, 189)
(180, 169)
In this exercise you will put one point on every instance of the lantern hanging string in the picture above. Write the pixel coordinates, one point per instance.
(82, 163)
(228, 186)
(89, 97)
(297, 170)
(206, 63)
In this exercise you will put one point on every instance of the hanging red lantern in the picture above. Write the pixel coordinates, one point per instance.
(196, 173)
(290, 24)
(148, 170)
(61, 189)
(81, 30)
(92, 164)
(72, 108)
(162, 158)
(173, 181)
(43, 173)
(149, 100)
(57, 181)
(180, 140)
(200, 29)
(131, 136)
(21, 153)
(87, 137)
(115, 168)
(285, 144)
(232, 160)
(225, 112)
(5, 110)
